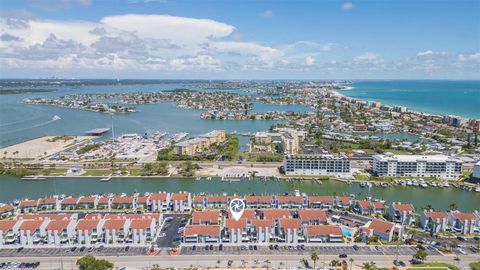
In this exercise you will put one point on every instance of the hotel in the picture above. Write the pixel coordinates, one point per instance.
(317, 165)
(438, 166)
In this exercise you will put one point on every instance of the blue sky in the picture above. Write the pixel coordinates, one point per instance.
(241, 39)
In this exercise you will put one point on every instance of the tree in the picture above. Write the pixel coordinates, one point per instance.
(452, 206)
(218, 263)
(314, 257)
(267, 263)
(420, 255)
(244, 263)
(368, 266)
(91, 263)
(351, 263)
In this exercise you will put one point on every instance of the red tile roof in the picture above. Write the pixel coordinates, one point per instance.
(258, 199)
(323, 230)
(69, 201)
(345, 200)
(379, 205)
(6, 208)
(233, 224)
(192, 230)
(436, 215)
(275, 213)
(463, 216)
(403, 207)
(103, 200)
(31, 225)
(321, 199)
(93, 216)
(363, 204)
(114, 224)
(381, 226)
(216, 199)
(142, 199)
(211, 216)
(179, 196)
(87, 224)
(141, 224)
(58, 225)
(44, 201)
(158, 196)
(28, 203)
(262, 223)
(289, 199)
(87, 199)
(122, 200)
(45, 216)
(312, 214)
(289, 223)
(198, 199)
(6, 225)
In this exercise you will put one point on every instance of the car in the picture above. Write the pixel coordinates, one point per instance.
(402, 264)
(420, 247)
(82, 249)
(355, 247)
(100, 248)
(127, 248)
(476, 238)
(415, 261)
(270, 247)
(72, 249)
(19, 249)
(461, 238)
(194, 247)
(206, 247)
(377, 247)
(211, 247)
(168, 219)
(220, 247)
(276, 247)
(343, 255)
(90, 249)
(229, 263)
(250, 247)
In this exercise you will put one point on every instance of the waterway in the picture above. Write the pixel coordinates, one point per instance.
(12, 188)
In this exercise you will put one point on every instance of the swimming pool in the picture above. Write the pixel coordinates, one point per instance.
(347, 232)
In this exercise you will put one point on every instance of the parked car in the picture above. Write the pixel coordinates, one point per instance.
(343, 255)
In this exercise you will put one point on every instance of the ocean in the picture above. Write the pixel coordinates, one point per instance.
(460, 98)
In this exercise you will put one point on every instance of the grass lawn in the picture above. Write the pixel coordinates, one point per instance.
(136, 172)
(97, 173)
(434, 266)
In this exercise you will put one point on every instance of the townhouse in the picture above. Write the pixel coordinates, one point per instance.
(28, 206)
(343, 202)
(159, 202)
(326, 202)
(32, 232)
(48, 204)
(289, 230)
(462, 222)
(141, 203)
(9, 232)
(263, 230)
(384, 230)
(312, 216)
(60, 231)
(202, 234)
(181, 202)
(198, 202)
(363, 207)
(434, 222)
(275, 214)
(123, 202)
(6, 211)
(254, 201)
(116, 231)
(89, 202)
(89, 231)
(206, 217)
(402, 213)
(142, 231)
(235, 231)
(290, 201)
(69, 203)
(322, 234)
(103, 203)
(217, 201)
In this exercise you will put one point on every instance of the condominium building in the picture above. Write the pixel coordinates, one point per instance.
(438, 166)
(318, 165)
(289, 139)
(201, 143)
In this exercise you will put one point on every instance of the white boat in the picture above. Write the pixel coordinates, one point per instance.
(415, 183)
(105, 179)
(297, 193)
(477, 189)
(33, 178)
(409, 182)
(56, 117)
(423, 184)
(446, 184)
(434, 184)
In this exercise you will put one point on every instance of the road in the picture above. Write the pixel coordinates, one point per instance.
(204, 261)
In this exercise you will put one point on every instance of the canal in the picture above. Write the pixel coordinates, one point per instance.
(12, 188)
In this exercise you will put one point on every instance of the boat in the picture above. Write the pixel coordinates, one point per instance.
(477, 188)
(409, 183)
(56, 117)
(105, 179)
(33, 178)
(446, 184)
(362, 184)
(297, 193)
(415, 183)
(423, 184)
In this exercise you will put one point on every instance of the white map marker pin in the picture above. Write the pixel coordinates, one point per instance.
(237, 207)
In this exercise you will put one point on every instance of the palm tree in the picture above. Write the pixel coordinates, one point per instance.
(314, 257)
(267, 263)
(244, 263)
(367, 266)
(351, 263)
(452, 206)
(303, 262)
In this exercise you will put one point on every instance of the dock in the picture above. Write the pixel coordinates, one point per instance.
(97, 131)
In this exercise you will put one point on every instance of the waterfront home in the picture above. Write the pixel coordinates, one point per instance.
(275, 214)
(312, 216)
(103, 203)
(9, 232)
(384, 230)
(343, 202)
(248, 214)
(461, 222)
(141, 203)
(89, 231)
(198, 202)
(263, 230)
(206, 217)
(88, 202)
(159, 202)
(289, 229)
(6, 211)
(290, 201)
(142, 231)
(254, 201)
(379, 207)
(122, 202)
(48, 204)
(202, 234)
(432, 221)
(326, 202)
(28, 206)
(181, 202)
(116, 230)
(60, 231)
(402, 213)
(322, 233)
(216, 201)
(69, 203)
(156, 217)
(235, 231)
(32, 232)
(44, 216)
(363, 207)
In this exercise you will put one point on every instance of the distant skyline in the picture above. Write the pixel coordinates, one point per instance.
(172, 39)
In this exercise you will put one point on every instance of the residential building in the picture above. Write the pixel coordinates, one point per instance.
(88, 202)
(402, 213)
(290, 201)
(263, 230)
(322, 233)
(202, 234)
(312, 216)
(207, 217)
(89, 231)
(432, 221)
(317, 165)
(235, 231)
(48, 204)
(69, 203)
(384, 230)
(198, 145)
(116, 230)
(9, 232)
(60, 231)
(289, 229)
(253, 201)
(6, 211)
(476, 170)
(325, 202)
(461, 222)
(32, 232)
(181, 202)
(142, 231)
(159, 202)
(28, 206)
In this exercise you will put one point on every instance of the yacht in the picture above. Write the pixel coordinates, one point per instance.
(105, 179)
(409, 182)
(415, 183)
(33, 178)
(446, 184)
(477, 188)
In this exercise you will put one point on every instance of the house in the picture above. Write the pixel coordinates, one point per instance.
(103, 203)
(434, 222)
(289, 201)
(321, 201)
(461, 222)
(236, 231)
(263, 230)
(32, 232)
(402, 213)
(159, 202)
(142, 231)
(216, 201)
(89, 231)
(156, 217)
(181, 202)
(312, 216)
(28, 206)
(288, 230)
(44, 216)
(198, 202)
(48, 204)
(202, 234)
(69, 203)
(9, 232)
(254, 201)
(141, 203)
(122, 202)
(206, 217)
(6, 211)
(248, 214)
(343, 202)
(379, 207)
(322, 234)
(363, 207)
(116, 230)
(384, 230)
(60, 231)
(275, 214)
(89, 202)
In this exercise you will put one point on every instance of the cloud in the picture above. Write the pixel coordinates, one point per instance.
(85, 2)
(474, 57)
(347, 6)
(267, 14)
(309, 61)
(369, 58)
(430, 53)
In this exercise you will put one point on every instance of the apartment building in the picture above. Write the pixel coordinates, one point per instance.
(462, 222)
(317, 165)
(6, 211)
(159, 202)
(235, 231)
(439, 166)
(60, 231)
(32, 232)
(432, 221)
(384, 230)
(323, 234)
(255, 201)
(402, 213)
(142, 231)
(201, 143)
(116, 230)
(89, 231)
(180, 202)
(9, 232)
(202, 234)
(207, 217)
(325, 202)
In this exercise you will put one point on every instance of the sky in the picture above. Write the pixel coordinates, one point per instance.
(200, 39)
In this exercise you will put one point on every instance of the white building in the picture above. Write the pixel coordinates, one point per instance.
(476, 170)
(317, 165)
(438, 166)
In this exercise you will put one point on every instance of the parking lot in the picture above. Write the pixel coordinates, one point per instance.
(170, 233)
(74, 251)
(204, 249)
